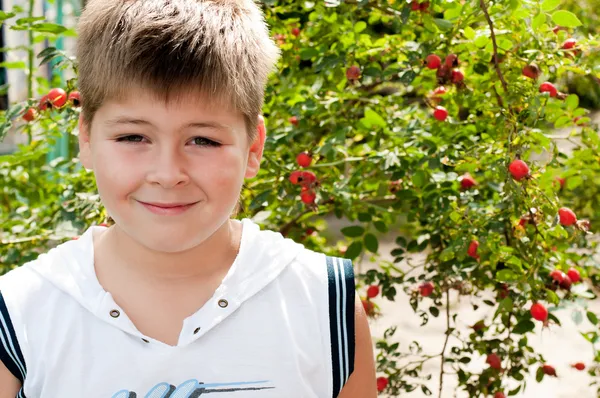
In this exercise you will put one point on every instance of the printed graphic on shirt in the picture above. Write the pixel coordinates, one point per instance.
(193, 389)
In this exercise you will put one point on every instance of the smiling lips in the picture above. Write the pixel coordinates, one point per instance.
(168, 209)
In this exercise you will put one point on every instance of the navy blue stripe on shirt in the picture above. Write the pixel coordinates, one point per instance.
(340, 274)
(10, 351)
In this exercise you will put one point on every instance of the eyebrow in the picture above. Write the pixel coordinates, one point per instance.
(125, 120)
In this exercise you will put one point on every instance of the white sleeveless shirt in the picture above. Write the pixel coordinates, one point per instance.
(280, 325)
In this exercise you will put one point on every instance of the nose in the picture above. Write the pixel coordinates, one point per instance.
(168, 169)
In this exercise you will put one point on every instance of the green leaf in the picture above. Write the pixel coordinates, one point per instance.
(592, 318)
(506, 275)
(566, 19)
(452, 12)
(6, 15)
(13, 65)
(260, 199)
(47, 51)
(524, 326)
(549, 5)
(364, 217)
(515, 261)
(360, 26)
(455, 216)
(443, 24)
(371, 243)
(435, 311)
(47, 27)
(506, 305)
(447, 254)
(573, 182)
(354, 250)
(552, 297)
(539, 375)
(469, 33)
(353, 231)
(307, 53)
(482, 41)
(380, 226)
(538, 21)
(408, 76)
(372, 118)
(28, 20)
(572, 102)
(504, 44)
(562, 121)
(419, 178)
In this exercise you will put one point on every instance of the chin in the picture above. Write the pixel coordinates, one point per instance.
(169, 243)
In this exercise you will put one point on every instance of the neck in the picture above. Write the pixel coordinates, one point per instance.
(212, 258)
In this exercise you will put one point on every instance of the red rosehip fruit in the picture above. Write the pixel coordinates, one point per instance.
(518, 169)
(353, 73)
(531, 71)
(548, 87)
(433, 61)
(567, 216)
(539, 312)
(57, 97)
(494, 361)
(29, 115)
(574, 275)
(75, 99)
(440, 113)
(308, 197)
(426, 289)
(472, 250)
(569, 44)
(304, 159)
(372, 291)
(382, 383)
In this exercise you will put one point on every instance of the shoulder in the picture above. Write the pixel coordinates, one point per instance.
(19, 293)
(21, 284)
(26, 293)
(318, 262)
(362, 380)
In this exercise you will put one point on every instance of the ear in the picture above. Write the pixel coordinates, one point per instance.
(85, 151)
(256, 149)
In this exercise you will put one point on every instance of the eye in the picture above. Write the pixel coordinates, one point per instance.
(130, 138)
(201, 141)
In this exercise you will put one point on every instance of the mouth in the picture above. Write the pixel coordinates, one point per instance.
(168, 205)
(173, 208)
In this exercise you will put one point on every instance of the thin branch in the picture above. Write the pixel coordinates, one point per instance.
(385, 10)
(292, 223)
(496, 64)
(445, 341)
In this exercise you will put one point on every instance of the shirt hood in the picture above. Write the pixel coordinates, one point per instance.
(262, 256)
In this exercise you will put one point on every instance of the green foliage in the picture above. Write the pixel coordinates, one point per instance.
(384, 164)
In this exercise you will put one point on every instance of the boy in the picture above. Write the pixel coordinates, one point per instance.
(177, 299)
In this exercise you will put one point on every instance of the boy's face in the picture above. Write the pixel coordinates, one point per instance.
(146, 152)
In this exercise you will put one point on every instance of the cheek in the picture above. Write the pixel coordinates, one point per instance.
(113, 171)
(226, 170)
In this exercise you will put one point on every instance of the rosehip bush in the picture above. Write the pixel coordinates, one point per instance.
(421, 119)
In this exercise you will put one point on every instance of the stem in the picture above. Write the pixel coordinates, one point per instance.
(495, 45)
(419, 362)
(510, 351)
(354, 159)
(30, 65)
(25, 239)
(385, 10)
(286, 228)
(445, 341)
